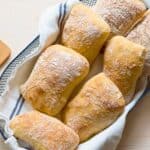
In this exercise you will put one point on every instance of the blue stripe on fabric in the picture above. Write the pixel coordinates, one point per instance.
(20, 107)
(147, 90)
(37, 37)
(63, 14)
(60, 14)
(2, 134)
(14, 109)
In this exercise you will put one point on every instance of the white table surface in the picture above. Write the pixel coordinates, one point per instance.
(19, 25)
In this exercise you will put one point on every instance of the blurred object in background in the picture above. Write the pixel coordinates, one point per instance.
(4, 52)
(147, 2)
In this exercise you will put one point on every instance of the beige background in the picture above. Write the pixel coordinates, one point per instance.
(19, 25)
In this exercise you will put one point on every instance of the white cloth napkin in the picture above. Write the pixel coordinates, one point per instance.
(147, 2)
(51, 20)
(12, 104)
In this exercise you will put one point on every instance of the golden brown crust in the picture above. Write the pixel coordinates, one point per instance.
(123, 63)
(85, 32)
(121, 15)
(141, 35)
(57, 72)
(96, 106)
(43, 132)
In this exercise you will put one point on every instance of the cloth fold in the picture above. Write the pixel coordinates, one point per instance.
(147, 2)
(7, 134)
(52, 20)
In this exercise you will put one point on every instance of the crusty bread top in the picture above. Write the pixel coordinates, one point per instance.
(100, 91)
(43, 132)
(95, 107)
(123, 63)
(141, 35)
(85, 31)
(121, 15)
(58, 70)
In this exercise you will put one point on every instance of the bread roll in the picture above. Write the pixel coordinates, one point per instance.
(85, 32)
(141, 35)
(43, 132)
(121, 15)
(97, 105)
(123, 63)
(57, 72)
